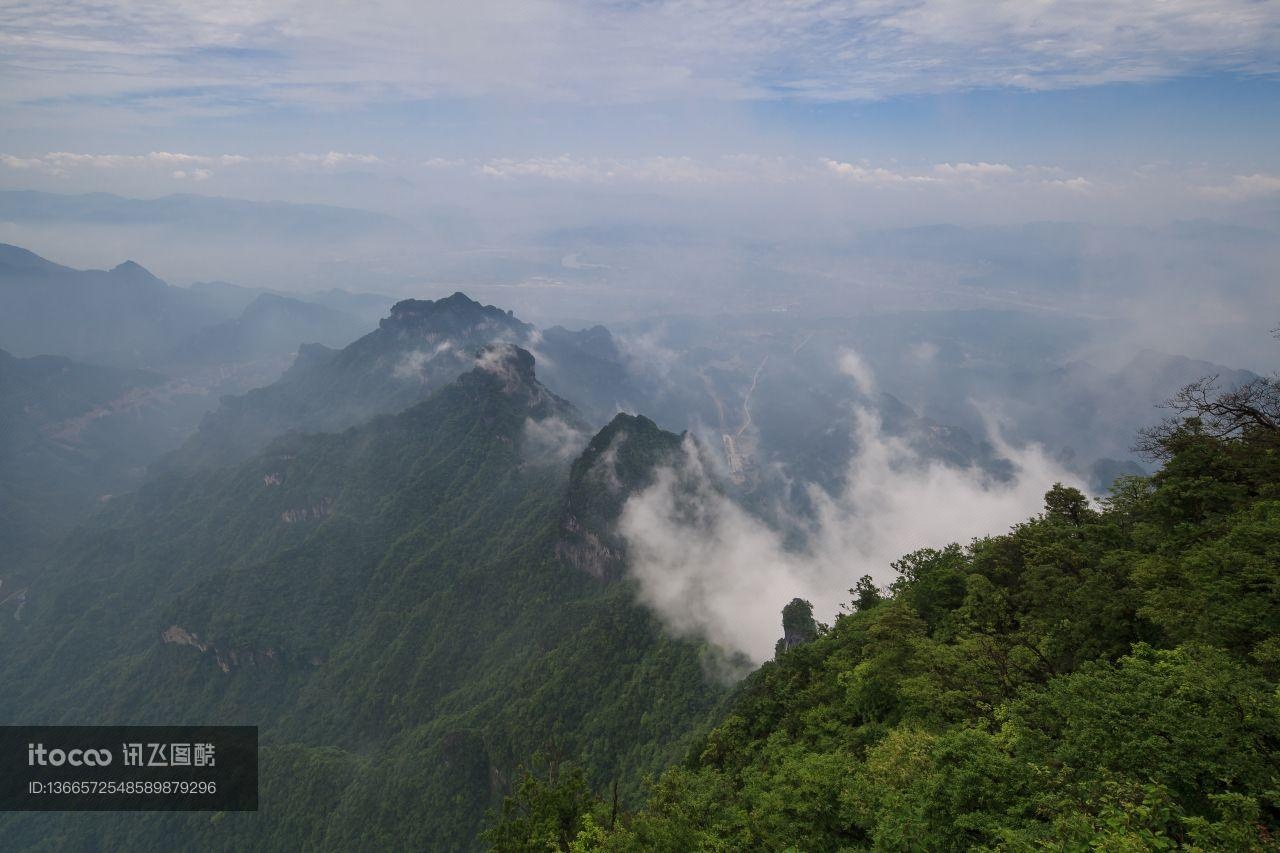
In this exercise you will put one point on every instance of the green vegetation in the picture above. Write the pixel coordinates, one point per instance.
(1098, 678)
(427, 617)
(386, 604)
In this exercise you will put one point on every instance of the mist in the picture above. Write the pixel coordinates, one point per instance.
(712, 570)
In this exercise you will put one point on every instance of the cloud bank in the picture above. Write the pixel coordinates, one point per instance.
(712, 570)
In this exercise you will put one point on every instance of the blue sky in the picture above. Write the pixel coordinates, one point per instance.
(764, 138)
(639, 93)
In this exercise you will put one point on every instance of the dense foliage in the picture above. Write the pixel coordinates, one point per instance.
(386, 604)
(1098, 678)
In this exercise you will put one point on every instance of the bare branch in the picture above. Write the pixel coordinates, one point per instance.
(1204, 408)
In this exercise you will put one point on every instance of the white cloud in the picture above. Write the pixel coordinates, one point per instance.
(982, 169)
(709, 569)
(658, 169)
(326, 54)
(194, 174)
(757, 170)
(413, 365)
(22, 162)
(966, 176)
(1075, 184)
(852, 365)
(864, 174)
(197, 166)
(332, 160)
(1245, 187)
(552, 440)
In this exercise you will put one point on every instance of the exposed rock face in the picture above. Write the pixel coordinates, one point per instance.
(618, 462)
(798, 625)
(227, 659)
(179, 636)
(585, 551)
(314, 512)
(456, 315)
(514, 366)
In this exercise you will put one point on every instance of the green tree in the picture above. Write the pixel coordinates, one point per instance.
(866, 594)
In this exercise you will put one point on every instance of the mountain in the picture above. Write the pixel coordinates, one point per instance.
(73, 434)
(127, 317)
(231, 299)
(1092, 412)
(369, 307)
(387, 603)
(124, 315)
(774, 388)
(618, 462)
(270, 325)
(420, 347)
(1098, 678)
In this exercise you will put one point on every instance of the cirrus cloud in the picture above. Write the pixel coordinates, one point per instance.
(249, 55)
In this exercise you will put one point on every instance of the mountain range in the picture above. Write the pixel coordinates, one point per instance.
(434, 636)
(401, 556)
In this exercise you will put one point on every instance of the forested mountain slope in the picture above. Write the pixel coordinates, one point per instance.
(420, 347)
(386, 603)
(1098, 678)
(71, 434)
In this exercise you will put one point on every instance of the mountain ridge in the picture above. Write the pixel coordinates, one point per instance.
(433, 638)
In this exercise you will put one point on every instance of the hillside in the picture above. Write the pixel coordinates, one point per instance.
(418, 348)
(1097, 678)
(432, 637)
(71, 435)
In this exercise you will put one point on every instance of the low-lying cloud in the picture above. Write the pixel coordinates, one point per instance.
(552, 440)
(414, 363)
(712, 570)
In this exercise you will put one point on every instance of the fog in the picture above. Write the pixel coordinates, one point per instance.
(811, 247)
(713, 570)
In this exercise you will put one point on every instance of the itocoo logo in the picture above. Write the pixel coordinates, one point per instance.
(37, 754)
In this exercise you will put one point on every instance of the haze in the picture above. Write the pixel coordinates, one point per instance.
(873, 256)
(601, 161)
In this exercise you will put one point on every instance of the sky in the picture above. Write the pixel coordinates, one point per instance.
(1055, 96)
(492, 123)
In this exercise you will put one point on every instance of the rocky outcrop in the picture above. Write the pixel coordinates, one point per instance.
(314, 512)
(454, 316)
(227, 659)
(586, 552)
(617, 463)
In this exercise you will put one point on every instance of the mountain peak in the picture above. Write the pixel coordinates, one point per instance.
(454, 314)
(504, 371)
(458, 299)
(510, 363)
(134, 271)
(618, 462)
